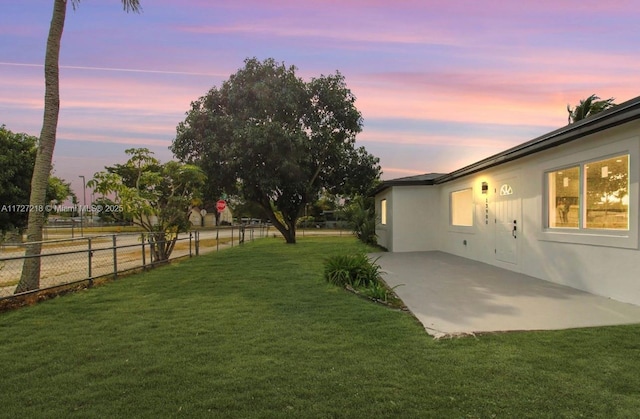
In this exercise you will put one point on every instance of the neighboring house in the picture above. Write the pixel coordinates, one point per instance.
(562, 207)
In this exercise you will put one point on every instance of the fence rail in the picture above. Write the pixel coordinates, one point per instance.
(74, 260)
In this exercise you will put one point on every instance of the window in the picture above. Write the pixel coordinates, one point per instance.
(383, 212)
(462, 208)
(564, 195)
(593, 195)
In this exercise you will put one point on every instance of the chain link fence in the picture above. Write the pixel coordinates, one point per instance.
(73, 260)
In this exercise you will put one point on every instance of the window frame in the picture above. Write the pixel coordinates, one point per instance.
(616, 144)
(582, 222)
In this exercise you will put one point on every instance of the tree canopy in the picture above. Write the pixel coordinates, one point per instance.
(587, 107)
(17, 160)
(277, 140)
(158, 197)
(17, 157)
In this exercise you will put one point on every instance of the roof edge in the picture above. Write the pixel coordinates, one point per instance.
(618, 115)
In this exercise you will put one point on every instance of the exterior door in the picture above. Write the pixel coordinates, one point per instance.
(507, 221)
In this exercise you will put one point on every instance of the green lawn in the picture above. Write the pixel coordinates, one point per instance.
(255, 332)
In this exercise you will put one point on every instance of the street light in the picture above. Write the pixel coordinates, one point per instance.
(84, 202)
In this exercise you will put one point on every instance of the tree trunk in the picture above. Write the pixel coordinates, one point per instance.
(288, 231)
(161, 247)
(290, 235)
(30, 278)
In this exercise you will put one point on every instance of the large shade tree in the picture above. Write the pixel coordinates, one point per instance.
(587, 107)
(277, 140)
(30, 278)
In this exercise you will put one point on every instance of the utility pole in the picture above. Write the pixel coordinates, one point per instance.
(84, 204)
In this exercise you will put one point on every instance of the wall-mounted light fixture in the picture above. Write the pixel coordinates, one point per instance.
(485, 188)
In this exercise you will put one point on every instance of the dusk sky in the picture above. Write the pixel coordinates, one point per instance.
(440, 84)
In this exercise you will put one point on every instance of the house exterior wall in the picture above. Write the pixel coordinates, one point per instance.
(604, 262)
(384, 230)
(412, 219)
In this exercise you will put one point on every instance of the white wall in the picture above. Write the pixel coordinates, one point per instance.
(416, 224)
(412, 218)
(601, 262)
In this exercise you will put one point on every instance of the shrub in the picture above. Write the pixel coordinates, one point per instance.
(379, 291)
(354, 270)
(361, 217)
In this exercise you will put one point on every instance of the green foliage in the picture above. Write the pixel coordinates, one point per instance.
(157, 197)
(110, 211)
(276, 140)
(306, 221)
(17, 158)
(58, 190)
(361, 215)
(377, 291)
(356, 270)
(17, 161)
(587, 107)
(363, 275)
(381, 292)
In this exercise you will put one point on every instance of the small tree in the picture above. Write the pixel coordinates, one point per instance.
(360, 214)
(156, 196)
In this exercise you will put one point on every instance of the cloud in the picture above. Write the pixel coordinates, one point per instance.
(120, 70)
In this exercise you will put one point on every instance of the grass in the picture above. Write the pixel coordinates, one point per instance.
(255, 331)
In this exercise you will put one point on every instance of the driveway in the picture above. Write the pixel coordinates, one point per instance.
(453, 295)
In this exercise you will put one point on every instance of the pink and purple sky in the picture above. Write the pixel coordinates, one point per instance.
(440, 84)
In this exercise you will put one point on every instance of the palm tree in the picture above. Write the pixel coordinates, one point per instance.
(30, 278)
(587, 107)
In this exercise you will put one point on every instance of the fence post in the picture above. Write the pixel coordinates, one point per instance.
(231, 235)
(217, 238)
(115, 258)
(90, 255)
(190, 237)
(197, 242)
(144, 256)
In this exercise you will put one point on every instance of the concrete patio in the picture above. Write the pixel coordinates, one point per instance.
(452, 295)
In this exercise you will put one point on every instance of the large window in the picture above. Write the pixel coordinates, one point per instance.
(592, 195)
(462, 208)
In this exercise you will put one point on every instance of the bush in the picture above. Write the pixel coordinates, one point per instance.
(354, 270)
(361, 217)
(362, 276)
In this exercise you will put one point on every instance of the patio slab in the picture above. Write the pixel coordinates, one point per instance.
(451, 295)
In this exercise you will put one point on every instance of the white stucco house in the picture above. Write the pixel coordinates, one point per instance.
(562, 207)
